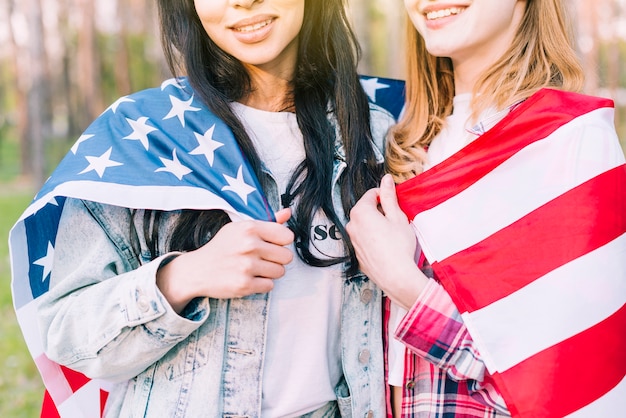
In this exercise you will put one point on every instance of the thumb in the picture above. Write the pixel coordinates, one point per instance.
(283, 215)
(389, 199)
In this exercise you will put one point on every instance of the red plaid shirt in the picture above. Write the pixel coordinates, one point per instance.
(444, 375)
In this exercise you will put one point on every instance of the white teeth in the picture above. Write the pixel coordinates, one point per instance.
(444, 13)
(254, 27)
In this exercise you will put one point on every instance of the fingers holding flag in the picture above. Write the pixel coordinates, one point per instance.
(385, 243)
(243, 258)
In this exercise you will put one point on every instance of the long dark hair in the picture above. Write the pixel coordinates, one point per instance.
(325, 76)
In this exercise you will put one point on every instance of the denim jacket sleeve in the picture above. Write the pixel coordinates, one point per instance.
(104, 315)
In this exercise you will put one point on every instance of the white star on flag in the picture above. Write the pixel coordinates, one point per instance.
(174, 166)
(79, 141)
(371, 86)
(101, 163)
(179, 107)
(171, 82)
(118, 102)
(46, 261)
(140, 130)
(206, 145)
(238, 186)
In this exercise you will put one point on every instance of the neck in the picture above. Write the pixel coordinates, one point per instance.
(270, 92)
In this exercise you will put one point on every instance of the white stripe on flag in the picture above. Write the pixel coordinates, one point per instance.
(153, 197)
(84, 403)
(532, 319)
(615, 400)
(27, 318)
(18, 254)
(471, 216)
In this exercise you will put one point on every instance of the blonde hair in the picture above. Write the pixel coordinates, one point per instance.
(540, 56)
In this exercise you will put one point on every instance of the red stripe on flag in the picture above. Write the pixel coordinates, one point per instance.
(48, 408)
(537, 243)
(549, 110)
(104, 395)
(570, 375)
(54, 379)
(75, 379)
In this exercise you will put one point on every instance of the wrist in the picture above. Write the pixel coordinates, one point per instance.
(169, 286)
(408, 286)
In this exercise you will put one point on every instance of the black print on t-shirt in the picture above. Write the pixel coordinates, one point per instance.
(324, 232)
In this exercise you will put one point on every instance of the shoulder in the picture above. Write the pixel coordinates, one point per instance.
(567, 103)
(174, 93)
(381, 121)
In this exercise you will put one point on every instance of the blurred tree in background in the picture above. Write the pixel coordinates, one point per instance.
(65, 61)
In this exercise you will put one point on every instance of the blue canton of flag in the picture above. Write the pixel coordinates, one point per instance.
(386, 93)
(161, 149)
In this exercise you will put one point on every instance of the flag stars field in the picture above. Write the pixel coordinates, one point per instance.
(206, 145)
(101, 163)
(238, 185)
(79, 141)
(46, 262)
(140, 132)
(371, 86)
(118, 102)
(179, 107)
(172, 82)
(174, 166)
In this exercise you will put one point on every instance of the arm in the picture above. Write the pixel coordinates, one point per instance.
(386, 245)
(109, 320)
(101, 316)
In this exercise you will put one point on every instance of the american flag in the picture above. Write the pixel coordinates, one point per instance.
(526, 230)
(161, 149)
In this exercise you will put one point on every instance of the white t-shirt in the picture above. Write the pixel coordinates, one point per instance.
(303, 358)
(451, 139)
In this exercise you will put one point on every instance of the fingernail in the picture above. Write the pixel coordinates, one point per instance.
(387, 180)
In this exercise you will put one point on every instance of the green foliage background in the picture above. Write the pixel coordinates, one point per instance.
(21, 389)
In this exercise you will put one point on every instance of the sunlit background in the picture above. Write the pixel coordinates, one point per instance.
(62, 62)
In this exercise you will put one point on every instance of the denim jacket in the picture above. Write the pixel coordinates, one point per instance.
(105, 317)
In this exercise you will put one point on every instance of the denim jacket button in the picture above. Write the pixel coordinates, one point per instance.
(143, 305)
(364, 356)
(366, 295)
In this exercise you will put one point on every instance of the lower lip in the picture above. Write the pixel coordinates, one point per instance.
(254, 36)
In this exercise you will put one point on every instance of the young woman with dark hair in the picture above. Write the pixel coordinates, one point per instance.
(186, 309)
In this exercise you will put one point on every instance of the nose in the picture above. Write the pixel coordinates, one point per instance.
(246, 4)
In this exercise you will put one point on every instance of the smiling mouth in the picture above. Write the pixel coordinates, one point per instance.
(439, 14)
(252, 28)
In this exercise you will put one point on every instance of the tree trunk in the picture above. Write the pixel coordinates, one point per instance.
(122, 54)
(20, 81)
(396, 21)
(89, 77)
(67, 79)
(359, 10)
(588, 39)
(36, 96)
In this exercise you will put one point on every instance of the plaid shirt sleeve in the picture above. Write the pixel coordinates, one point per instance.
(434, 331)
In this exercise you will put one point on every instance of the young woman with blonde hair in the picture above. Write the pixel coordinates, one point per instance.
(511, 299)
